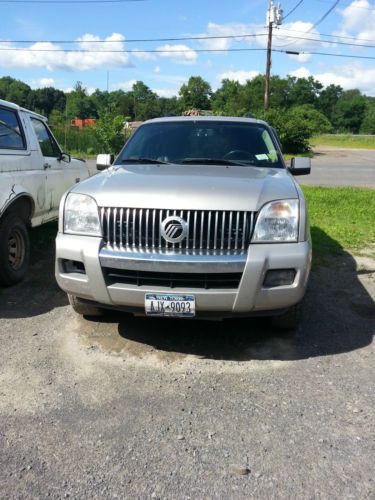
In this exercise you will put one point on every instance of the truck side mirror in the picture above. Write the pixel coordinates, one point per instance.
(104, 161)
(65, 157)
(300, 166)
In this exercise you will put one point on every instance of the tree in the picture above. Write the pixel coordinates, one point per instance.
(303, 91)
(46, 100)
(79, 104)
(109, 132)
(328, 99)
(227, 100)
(14, 91)
(314, 119)
(196, 94)
(349, 111)
(145, 102)
(368, 123)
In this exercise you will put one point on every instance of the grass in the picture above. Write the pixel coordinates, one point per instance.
(340, 219)
(344, 141)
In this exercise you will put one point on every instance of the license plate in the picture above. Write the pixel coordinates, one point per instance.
(181, 306)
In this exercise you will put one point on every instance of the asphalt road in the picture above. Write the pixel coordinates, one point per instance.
(332, 167)
(138, 408)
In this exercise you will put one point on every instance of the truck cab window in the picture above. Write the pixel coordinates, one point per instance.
(47, 143)
(10, 131)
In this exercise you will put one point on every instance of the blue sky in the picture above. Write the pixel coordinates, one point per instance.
(167, 71)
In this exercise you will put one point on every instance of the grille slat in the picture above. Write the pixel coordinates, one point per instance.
(173, 280)
(213, 231)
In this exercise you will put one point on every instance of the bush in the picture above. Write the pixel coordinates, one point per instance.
(318, 123)
(109, 132)
(294, 132)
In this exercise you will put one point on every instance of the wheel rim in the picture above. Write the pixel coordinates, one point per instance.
(16, 249)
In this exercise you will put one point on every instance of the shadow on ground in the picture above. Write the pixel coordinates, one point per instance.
(39, 292)
(338, 317)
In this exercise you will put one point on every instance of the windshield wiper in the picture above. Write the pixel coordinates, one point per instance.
(208, 161)
(144, 160)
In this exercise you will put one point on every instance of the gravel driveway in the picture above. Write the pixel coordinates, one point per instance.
(136, 408)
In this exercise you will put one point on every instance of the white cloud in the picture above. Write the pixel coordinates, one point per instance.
(51, 60)
(240, 76)
(166, 92)
(42, 82)
(358, 19)
(143, 56)
(126, 86)
(179, 53)
(300, 73)
(157, 70)
(350, 77)
(355, 76)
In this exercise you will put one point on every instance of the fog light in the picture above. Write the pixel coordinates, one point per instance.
(279, 277)
(72, 266)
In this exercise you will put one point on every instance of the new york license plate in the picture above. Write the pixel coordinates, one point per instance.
(170, 305)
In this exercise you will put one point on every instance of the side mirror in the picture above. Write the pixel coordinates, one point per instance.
(104, 161)
(300, 166)
(65, 157)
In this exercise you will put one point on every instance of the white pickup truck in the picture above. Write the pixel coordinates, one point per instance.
(34, 174)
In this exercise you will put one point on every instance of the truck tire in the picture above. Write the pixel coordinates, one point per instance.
(83, 309)
(289, 320)
(14, 249)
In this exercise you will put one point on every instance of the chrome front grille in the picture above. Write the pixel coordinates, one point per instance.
(207, 230)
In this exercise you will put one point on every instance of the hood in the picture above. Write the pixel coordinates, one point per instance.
(196, 187)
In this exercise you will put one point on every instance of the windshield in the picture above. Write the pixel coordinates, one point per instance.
(202, 142)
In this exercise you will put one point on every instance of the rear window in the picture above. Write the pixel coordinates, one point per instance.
(11, 135)
(175, 142)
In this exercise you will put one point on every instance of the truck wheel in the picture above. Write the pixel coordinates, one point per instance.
(288, 320)
(83, 309)
(14, 249)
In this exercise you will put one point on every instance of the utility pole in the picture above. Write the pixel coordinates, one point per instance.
(274, 16)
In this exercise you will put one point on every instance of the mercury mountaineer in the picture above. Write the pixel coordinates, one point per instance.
(197, 216)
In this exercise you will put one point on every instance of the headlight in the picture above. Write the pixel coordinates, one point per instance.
(277, 221)
(81, 215)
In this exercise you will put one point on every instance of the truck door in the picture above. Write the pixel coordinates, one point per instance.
(51, 157)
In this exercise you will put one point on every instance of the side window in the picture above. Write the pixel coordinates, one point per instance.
(47, 143)
(11, 136)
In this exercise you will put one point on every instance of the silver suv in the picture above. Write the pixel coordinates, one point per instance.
(197, 216)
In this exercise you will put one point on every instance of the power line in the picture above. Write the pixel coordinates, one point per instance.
(203, 37)
(139, 40)
(329, 35)
(319, 21)
(249, 49)
(351, 5)
(326, 14)
(292, 10)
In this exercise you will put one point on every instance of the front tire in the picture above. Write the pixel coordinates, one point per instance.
(83, 309)
(14, 249)
(289, 320)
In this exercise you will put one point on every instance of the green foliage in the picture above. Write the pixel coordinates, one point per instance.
(109, 133)
(315, 120)
(368, 123)
(196, 94)
(293, 131)
(299, 107)
(80, 141)
(349, 112)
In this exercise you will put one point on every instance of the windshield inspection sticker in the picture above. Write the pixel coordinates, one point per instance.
(261, 157)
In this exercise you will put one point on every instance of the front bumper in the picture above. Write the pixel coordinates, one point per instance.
(251, 297)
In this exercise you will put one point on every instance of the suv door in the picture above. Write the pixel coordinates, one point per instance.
(51, 153)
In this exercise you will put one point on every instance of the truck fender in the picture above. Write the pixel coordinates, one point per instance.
(11, 193)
